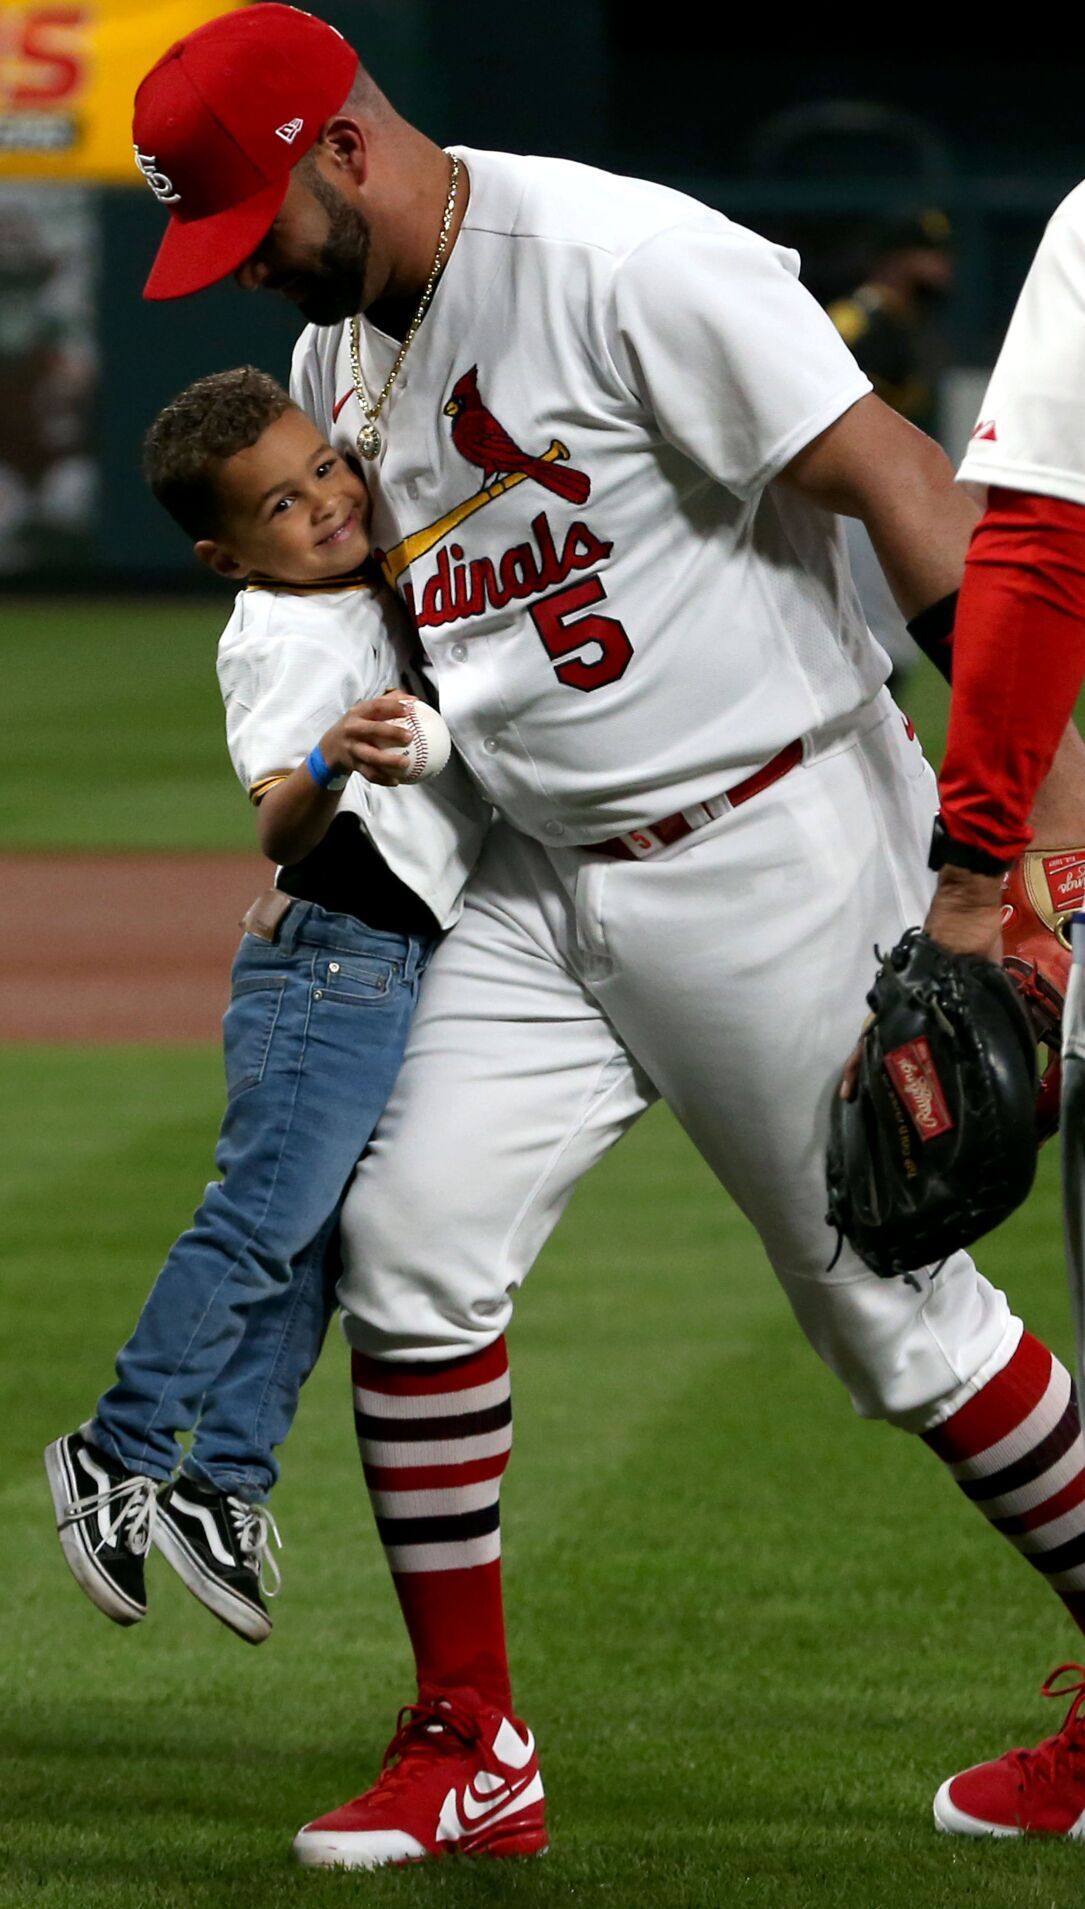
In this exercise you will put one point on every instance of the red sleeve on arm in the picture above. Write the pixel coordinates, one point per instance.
(1018, 664)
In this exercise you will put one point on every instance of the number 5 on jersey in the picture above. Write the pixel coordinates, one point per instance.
(565, 631)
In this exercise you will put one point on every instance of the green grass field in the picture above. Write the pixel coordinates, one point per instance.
(124, 697)
(750, 1633)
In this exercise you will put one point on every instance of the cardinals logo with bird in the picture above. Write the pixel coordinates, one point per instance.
(484, 442)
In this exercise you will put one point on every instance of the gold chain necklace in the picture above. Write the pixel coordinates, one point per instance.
(369, 438)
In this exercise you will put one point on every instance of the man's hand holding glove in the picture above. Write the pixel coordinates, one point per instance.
(937, 1142)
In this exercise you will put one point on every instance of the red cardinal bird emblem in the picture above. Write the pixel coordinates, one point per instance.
(483, 441)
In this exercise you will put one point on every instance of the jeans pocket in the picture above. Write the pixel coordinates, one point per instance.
(349, 980)
(247, 1030)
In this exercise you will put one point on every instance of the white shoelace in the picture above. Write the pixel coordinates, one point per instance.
(134, 1503)
(255, 1527)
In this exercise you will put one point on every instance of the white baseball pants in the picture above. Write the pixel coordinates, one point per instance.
(726, 974)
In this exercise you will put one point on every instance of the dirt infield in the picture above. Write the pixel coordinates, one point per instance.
(120, 947)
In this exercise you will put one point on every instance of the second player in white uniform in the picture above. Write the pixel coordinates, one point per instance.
(607, 457)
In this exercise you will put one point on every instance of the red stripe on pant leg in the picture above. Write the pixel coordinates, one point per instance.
(998, 1408)
(429, 1477)
(419, 1381)
(1054, 1507)
(457, 1627)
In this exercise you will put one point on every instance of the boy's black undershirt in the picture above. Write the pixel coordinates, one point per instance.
(345, 875)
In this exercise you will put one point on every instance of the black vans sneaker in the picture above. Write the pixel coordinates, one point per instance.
(105, 1518)
(220, 1547)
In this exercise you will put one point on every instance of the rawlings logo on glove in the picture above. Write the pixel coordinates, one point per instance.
(913, 1074)
(938, 1142)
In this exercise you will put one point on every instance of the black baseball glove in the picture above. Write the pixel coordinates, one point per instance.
(939, 1143)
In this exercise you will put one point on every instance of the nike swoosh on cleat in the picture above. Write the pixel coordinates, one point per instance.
(477, 1810)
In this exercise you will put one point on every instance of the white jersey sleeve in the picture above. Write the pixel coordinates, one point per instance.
(283, 686)
(709, 326)
(1030, 434)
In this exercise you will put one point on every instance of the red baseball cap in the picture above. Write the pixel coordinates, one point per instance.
(218, 124)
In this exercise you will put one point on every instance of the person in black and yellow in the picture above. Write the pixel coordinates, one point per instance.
(886, 321)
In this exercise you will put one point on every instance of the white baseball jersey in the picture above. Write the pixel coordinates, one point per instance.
(573, 497)
(290, 663)
(1030, 434)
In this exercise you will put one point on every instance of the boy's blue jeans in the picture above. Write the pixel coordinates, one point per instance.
(314, 1035)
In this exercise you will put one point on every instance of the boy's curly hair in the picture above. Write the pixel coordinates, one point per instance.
(208, 421)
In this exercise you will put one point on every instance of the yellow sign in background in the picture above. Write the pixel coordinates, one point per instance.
(68, 73)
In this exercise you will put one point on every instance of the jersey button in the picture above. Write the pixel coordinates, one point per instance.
(491, 745)
(553, 828)
(459, 651)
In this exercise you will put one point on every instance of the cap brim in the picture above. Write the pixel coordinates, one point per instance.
(196, 253)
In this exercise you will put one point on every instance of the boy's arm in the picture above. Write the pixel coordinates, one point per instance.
(294, 814)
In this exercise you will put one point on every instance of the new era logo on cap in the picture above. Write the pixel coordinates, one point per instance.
(219, 122)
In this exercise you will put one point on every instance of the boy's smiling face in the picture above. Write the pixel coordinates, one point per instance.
(289, 507)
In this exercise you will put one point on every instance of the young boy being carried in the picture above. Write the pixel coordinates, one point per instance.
(322, 992)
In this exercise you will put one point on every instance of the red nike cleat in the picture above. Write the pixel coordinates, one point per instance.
(1037, 1792)
(457, 1776)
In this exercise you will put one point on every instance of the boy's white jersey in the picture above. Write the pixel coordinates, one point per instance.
(574, 496)
(290, 664)
(1030, 434)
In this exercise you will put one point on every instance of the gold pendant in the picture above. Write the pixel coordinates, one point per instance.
(369, 440)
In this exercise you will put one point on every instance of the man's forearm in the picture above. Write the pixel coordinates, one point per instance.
(920, 528)
(873, 465)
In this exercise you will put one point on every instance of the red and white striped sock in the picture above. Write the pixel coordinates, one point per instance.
(435, 1440)
(1016, 1450)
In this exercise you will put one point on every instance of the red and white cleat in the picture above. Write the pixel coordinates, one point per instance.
(1038, 1792)
(458, 1776)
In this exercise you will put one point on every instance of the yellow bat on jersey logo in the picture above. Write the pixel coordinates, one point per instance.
(419, 544)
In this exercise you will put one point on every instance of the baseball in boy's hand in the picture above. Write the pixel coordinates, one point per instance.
(430, 744)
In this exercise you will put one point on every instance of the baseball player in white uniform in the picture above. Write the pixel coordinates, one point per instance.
(1020, 660)
(606, 432)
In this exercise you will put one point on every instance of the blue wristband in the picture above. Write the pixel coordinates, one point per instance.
(323, 776)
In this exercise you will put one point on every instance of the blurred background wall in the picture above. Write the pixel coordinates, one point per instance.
(829, 152)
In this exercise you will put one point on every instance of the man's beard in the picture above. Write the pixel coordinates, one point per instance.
(336, 287)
